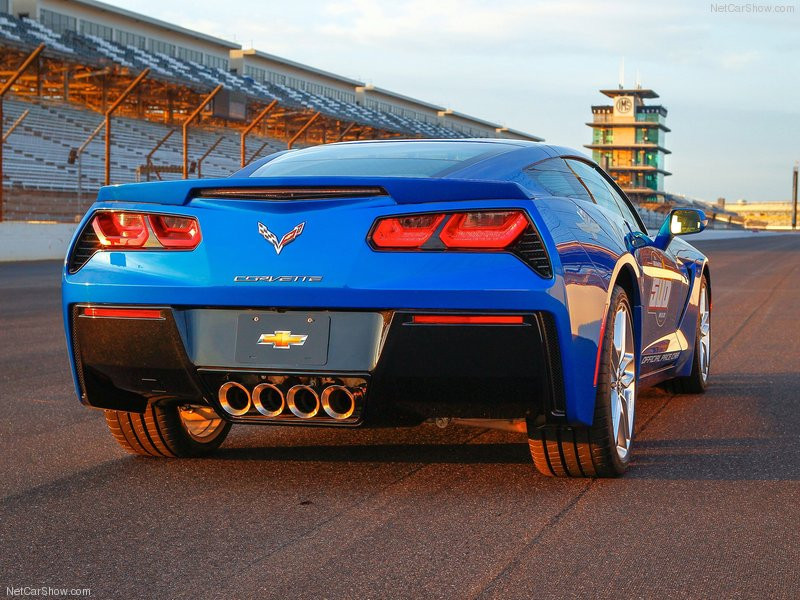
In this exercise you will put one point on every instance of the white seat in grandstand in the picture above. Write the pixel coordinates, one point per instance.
(7, 29)
(149, 60)
(179, 67)
(48, 36)
(112, 51)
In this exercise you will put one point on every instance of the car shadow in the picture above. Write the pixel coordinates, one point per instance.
(494, 453)
(721, 453)
(743, 428)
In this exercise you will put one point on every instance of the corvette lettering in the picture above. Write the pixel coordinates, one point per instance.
(286, 239)
(282, 339)
(277, 279)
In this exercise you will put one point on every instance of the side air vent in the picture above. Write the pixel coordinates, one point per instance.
(530, 249)
(84, 249)
(547, 324)
(289, 193)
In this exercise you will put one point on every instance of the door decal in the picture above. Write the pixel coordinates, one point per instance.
(658, 304)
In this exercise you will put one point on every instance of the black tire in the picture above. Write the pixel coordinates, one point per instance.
(565, 451)
(160, 431)
(695, 383)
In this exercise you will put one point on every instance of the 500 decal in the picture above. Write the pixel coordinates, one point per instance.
(658, 303)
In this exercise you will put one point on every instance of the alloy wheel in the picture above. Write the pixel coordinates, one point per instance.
(623, 380)
(200, 422)
(705, 334)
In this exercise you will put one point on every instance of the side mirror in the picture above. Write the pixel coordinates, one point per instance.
(680, 221)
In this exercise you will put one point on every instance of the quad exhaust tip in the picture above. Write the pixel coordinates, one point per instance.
(339, 402)
(269, 399)
(234, 398)
(303, 401)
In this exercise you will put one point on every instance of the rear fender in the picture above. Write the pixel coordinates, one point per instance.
(596, 328)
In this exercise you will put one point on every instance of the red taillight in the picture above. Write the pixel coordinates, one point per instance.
(488, 230)
(405, 232)
(176, 232)
(120, 229)
(129, 230)
(123, 313)
(484, 229)
(467, 319)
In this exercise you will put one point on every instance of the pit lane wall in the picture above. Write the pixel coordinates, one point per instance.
(39, 240)
(34, 240)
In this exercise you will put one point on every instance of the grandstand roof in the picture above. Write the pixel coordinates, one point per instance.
(379, 90)
(297, 65)
(156, 22)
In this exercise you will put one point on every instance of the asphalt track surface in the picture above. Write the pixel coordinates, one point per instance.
(709, 508)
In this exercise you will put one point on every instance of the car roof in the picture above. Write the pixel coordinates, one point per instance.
(510, 142)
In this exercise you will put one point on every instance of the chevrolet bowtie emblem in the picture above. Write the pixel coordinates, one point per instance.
(282, 339)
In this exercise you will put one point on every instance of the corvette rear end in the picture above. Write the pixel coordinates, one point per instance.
(315, 302)
(384, 284)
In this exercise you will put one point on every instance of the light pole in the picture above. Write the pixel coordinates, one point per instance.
(794, 197)
(76, 154)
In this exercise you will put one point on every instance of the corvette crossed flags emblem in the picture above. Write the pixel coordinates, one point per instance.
(286, 239)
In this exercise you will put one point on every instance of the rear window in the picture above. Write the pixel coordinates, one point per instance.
(555, 178)
(383, 159)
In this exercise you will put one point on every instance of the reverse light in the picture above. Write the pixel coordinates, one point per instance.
(484, 229)
(120, 229)
(122, 313)
(467, 320)
(176, 232)
(405, 232)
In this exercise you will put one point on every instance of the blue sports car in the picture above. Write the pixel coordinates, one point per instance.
(493, 283)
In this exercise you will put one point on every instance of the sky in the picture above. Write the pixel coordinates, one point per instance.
(729, 75)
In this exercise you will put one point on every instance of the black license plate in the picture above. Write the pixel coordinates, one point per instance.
(291, 341)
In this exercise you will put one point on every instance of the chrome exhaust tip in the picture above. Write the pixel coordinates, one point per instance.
(234, 398)
(303, 401)
(339, 402)
(269, 399)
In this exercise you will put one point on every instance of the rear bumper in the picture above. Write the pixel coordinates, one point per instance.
(411, 372)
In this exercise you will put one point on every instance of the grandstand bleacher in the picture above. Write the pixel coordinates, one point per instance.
(93, 48)
(36, 153)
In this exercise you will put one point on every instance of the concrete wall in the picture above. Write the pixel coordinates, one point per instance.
(21, 240)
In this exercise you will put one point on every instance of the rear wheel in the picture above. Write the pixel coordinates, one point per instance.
(169, 430)
(697, 381)
(602, 450)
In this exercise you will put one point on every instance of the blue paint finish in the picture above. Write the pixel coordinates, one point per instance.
(587, 245)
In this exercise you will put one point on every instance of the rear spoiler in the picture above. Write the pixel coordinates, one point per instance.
(403, 190)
